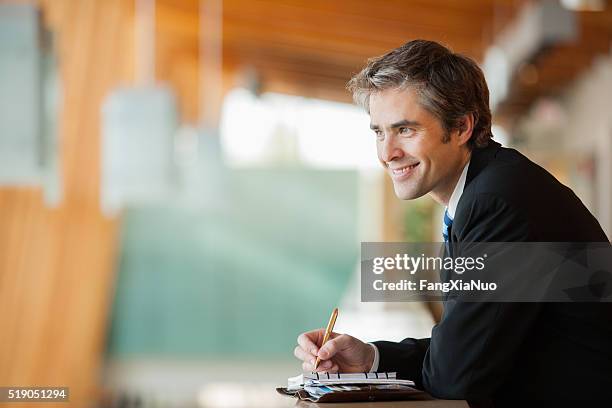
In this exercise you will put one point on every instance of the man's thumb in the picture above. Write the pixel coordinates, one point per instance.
(333, 346)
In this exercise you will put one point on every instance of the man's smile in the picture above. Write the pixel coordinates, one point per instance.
(402, 173)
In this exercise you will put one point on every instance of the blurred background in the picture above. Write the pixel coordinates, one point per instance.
(184, 184)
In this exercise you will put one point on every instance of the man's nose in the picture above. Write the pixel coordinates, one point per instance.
(390, 150)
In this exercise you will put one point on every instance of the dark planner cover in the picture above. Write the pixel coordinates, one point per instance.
(365, 393)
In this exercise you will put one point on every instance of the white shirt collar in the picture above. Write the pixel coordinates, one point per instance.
(457, 192)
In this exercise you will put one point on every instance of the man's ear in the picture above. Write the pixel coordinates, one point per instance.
(465, 128)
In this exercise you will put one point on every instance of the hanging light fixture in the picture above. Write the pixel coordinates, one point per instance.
(138, 127)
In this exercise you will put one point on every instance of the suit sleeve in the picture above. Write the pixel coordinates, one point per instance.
(473, 348)
(405, 358)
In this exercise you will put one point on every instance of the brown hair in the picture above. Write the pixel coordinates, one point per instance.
(449, 85)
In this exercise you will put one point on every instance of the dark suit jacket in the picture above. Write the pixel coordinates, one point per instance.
(508, 353)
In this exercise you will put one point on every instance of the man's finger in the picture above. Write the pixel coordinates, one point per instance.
(333, 346)
(307, 366)
(308, 341)
(303, 355)
(324, 366)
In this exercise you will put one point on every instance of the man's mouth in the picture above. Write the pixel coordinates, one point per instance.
(402, 171)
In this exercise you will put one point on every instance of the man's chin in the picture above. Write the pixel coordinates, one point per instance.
(407, 194)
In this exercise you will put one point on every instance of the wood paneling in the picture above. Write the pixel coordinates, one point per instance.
(56, 265)
(313, 47)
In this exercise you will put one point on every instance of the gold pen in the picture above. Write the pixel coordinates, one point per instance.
(328, 332)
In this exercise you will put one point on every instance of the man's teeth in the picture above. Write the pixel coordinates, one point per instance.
(404, 169)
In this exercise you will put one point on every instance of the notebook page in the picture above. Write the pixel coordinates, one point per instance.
(316, 379)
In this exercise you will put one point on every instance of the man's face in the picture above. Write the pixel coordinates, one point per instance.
(410, 146)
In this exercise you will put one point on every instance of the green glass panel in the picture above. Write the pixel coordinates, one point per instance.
(242, 279)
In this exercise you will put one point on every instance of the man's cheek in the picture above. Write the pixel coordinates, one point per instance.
(379, 156)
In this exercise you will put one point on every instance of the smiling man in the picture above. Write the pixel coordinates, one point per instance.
(429, 110)
(418, 152)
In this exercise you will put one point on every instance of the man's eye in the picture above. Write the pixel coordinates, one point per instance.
(379, 134)
(405, 131)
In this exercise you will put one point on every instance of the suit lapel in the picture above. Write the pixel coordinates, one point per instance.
(479, 160)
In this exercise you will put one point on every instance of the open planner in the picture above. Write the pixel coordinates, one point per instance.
(333, 387)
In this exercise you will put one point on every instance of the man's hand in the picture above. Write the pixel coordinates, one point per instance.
(342, 353)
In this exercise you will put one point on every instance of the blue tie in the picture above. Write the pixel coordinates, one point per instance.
(448, 223)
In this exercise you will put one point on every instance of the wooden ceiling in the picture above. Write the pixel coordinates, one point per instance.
(312, 47)
(319, 44)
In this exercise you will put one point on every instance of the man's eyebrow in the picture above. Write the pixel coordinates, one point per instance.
(403, 122)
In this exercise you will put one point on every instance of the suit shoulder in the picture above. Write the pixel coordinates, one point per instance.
(511, 182)
(516, 179)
